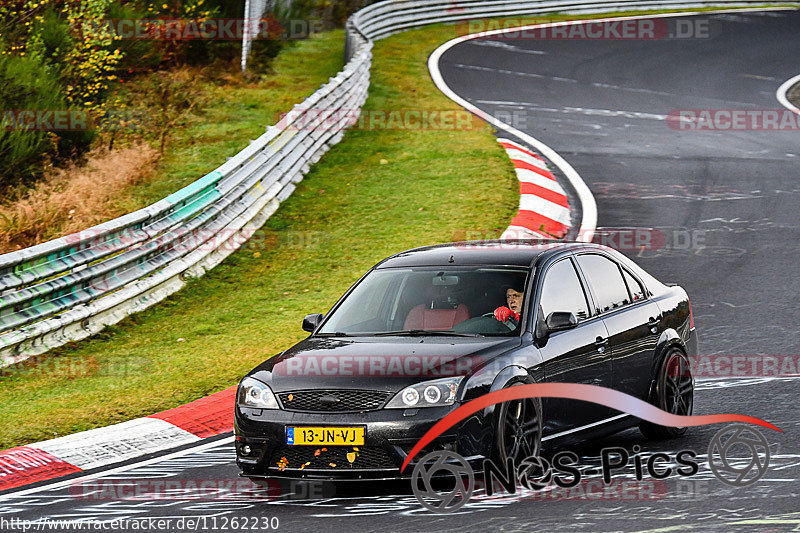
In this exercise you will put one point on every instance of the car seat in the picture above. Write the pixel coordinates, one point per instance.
(441, 313)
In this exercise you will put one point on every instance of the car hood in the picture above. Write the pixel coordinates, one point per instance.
(377, 363)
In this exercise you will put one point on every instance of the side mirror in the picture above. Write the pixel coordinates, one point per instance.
(560, 320)
(310, 322)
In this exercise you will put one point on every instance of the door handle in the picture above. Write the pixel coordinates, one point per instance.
(601, 344)
(653, 324)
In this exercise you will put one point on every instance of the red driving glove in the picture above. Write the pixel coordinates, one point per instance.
(503, 313)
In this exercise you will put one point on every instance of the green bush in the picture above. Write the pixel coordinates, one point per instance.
(49, 40)
(138, 54)
(25, 84)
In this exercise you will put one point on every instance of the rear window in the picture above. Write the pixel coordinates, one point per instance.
(635, 288)
(605, 280)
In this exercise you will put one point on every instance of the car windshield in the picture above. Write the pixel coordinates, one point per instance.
(431, 301)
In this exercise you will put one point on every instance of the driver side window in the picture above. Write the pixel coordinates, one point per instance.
(562, 291)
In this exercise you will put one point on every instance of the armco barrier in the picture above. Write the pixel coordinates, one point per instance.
(72, 287)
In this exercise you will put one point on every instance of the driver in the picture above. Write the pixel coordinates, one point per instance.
(514, 300)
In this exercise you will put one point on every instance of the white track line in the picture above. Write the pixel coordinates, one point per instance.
(588, 204)
(783, 91)
(124, 468)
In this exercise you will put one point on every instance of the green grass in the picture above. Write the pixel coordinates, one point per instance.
(376, 193)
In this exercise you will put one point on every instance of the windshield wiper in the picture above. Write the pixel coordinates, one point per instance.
(421, 332)
(334, 334)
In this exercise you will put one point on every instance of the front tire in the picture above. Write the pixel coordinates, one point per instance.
(518, 430)
(673, 392)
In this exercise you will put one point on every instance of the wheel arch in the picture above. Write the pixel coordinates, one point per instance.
(668, 340)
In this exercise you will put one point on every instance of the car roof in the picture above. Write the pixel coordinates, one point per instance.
(494, 252)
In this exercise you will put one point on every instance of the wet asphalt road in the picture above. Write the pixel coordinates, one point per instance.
(734, 195)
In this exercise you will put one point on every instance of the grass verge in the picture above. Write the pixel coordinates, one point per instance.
(75, 198)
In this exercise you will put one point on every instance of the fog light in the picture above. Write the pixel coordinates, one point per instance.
(245, 450)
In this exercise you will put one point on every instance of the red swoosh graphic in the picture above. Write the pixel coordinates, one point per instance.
(574, 391)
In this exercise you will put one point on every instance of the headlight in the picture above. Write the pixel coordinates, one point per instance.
(253, 393)
(435, 393)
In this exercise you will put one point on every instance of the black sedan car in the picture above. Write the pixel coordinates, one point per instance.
(429, 329)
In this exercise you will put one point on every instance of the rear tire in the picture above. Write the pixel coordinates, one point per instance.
(673, 392)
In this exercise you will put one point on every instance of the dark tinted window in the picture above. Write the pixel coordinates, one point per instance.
(562, 291)
(605, 280)
(635, 288)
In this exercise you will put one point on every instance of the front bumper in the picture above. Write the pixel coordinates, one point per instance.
(390, 435)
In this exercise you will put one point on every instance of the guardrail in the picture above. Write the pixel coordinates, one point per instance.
(72, 287)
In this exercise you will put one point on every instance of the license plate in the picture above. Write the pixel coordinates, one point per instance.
(326, 436)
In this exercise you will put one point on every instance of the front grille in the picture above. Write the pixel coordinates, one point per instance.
(330, 458)
(333, 400)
